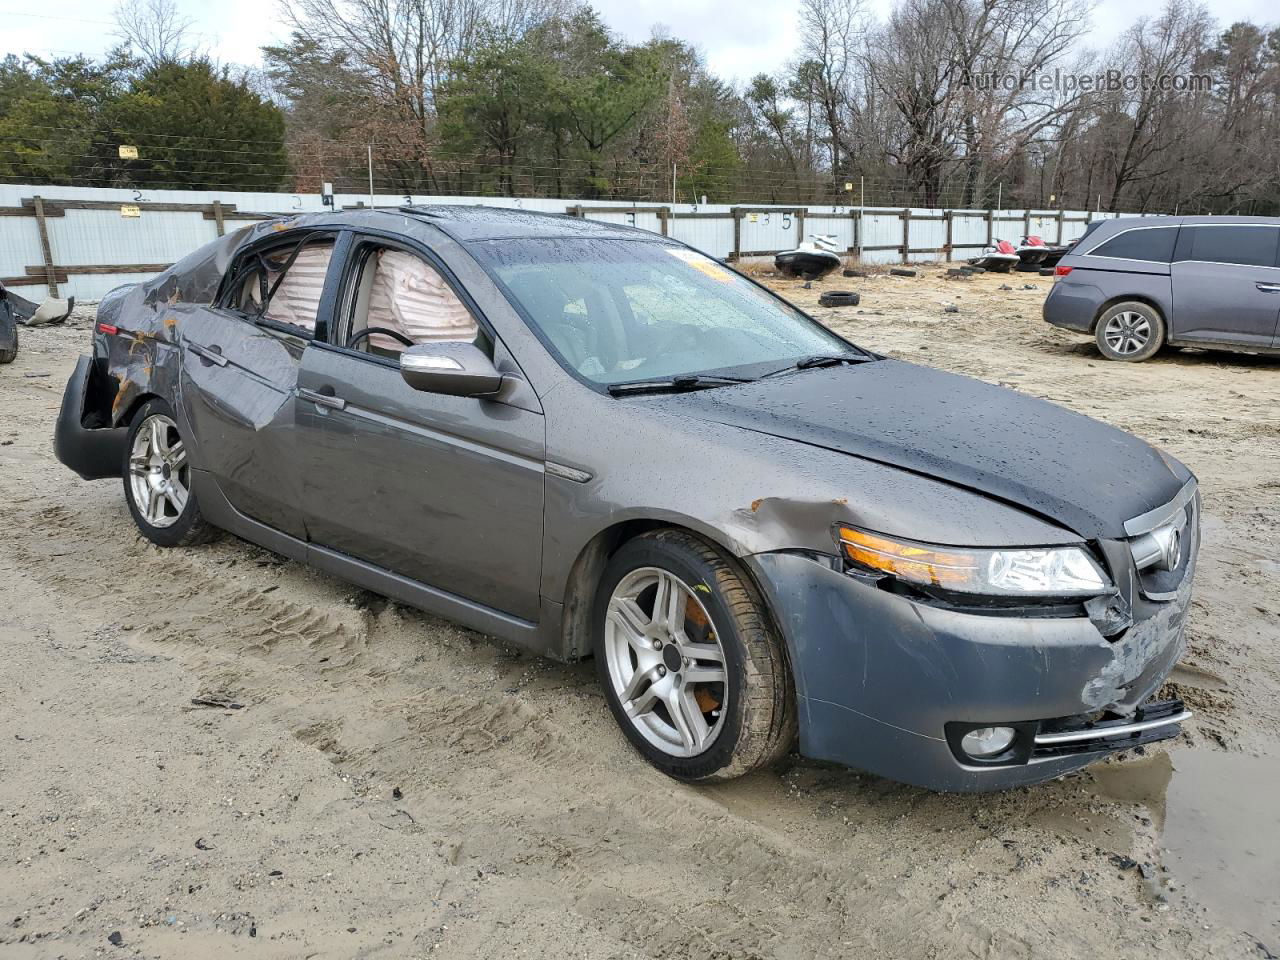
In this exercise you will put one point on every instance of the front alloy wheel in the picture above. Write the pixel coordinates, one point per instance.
(692, 667)
(665, 662)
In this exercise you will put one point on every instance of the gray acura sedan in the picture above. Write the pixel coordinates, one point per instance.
(593, 441)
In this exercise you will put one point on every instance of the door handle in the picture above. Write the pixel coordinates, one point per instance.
(211, 354)
(322, 399)
(1268, 287)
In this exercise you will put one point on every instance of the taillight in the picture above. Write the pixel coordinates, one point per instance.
(108, 328)
(1062, 271)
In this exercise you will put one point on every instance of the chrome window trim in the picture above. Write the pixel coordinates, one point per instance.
(1152, 519)
(1212, 263)
(1216, 263)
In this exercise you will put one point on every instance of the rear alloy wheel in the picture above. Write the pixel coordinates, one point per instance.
(693, 671)
(157, 480)
(1130, 331)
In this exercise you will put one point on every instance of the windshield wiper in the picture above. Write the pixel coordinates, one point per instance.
(672, 384)
(822, 360)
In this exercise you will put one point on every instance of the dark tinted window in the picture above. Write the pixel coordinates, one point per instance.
(1143, 243)
(1250, 246)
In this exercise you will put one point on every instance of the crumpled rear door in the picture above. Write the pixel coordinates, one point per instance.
(237, 393)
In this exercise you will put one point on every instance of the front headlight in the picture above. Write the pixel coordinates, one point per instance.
(1004, 572)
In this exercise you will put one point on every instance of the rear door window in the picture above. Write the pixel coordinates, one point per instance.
(1231, 243)
(1140, 243)
(289, 280)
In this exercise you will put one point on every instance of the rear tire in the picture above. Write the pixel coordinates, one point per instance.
(1130, 332)
(723, 669)
(157, 480)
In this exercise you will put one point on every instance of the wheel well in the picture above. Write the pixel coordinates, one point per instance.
(126, 417)
(1127, 298)
(584, 578)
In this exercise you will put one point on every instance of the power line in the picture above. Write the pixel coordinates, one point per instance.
(63, 19)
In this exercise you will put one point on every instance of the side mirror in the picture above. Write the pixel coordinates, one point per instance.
(455, 369)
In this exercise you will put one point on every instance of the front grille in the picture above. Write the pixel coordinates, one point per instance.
(1163, 544)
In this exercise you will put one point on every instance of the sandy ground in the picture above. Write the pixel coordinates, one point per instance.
(393, 786)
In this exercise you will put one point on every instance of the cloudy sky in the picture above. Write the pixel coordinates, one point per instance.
(755, 37)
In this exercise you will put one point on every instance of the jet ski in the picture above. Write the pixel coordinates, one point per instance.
(1056, 253)
(1031, 253)
(999, 258)
(814, 258)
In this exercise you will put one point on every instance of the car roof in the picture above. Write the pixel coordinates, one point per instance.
(1127, 223)
(468, 223)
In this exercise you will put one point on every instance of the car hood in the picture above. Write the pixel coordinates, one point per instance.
(1072, 469)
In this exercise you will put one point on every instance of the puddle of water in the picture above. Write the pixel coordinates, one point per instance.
(1218, 815)
(1222, 834)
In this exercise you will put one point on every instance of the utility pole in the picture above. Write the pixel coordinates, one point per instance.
(862, 210)
(673, 182)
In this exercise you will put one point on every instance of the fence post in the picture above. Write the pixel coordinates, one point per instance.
(799, 225)
(737, 233)
(856, 220)
(217, 217)
(906, 234)
(1059, 240)
(1026, 223)
(46, 251)
(946, 215)
(990, 227)
(663, 213)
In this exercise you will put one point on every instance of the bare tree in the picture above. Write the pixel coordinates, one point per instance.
(154, 29)
(1148, 121)
(914, 63)
(1013, 45)
(832, 34)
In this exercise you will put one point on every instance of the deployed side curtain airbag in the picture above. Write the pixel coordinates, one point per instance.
(297, 299)
(407, 295)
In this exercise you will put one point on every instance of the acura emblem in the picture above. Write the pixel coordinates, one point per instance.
(1173, 551)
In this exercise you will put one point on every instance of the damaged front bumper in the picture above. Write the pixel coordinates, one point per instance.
(83, 438)
(889, 683)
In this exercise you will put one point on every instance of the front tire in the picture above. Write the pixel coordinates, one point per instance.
(691, 665)
(1131, 332)
(157, 480)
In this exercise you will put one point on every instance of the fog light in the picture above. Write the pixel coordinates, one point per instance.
(987, 741)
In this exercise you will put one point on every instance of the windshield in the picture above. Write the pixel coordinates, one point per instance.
(624, 310)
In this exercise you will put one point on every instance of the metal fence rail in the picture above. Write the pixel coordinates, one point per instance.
(82, 242)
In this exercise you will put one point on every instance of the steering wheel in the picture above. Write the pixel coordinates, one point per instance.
(393, 334)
